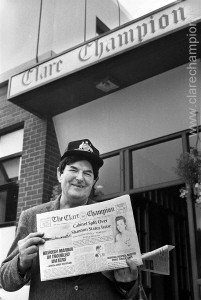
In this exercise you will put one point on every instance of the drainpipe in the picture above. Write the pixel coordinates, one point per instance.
(39, 23)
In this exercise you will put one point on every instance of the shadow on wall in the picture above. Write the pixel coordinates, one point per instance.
(23, 293)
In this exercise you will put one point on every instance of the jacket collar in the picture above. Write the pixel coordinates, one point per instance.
(51, 205)
(55, 204)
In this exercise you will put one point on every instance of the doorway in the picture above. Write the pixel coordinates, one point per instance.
(161, 219)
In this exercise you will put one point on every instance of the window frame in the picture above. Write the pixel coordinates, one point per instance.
(126, 165)
(10, 185)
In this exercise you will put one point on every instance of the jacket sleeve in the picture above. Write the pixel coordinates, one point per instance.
(10, 278)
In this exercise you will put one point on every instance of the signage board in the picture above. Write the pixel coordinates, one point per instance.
(125, 38)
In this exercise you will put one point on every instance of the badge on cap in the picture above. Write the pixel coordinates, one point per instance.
(85, 147)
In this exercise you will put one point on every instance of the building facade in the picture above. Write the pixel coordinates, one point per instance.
(128, 78)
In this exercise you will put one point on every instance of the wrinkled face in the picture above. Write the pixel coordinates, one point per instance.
(121, 226)
(77, 181)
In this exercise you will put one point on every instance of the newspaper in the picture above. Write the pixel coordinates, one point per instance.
(157, 261)
(88, 239)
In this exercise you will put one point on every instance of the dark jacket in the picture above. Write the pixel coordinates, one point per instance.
(87, 287)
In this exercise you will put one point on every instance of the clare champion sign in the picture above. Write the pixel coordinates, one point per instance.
(114, 43)
(132, 35)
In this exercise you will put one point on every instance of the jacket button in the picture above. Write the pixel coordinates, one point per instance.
(76, 287)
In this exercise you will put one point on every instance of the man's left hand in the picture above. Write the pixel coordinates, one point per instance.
(127, 274)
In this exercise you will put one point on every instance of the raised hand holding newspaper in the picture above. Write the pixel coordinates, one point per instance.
(88, 239)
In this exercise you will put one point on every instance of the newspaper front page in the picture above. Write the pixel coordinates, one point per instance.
(157, 261)
(88, 239)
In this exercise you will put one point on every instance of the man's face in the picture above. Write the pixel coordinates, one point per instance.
(77, 181)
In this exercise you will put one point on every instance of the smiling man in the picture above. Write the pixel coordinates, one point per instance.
(76, 181)
(77, 174)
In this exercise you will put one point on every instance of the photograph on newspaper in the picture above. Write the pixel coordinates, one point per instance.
(88, 239)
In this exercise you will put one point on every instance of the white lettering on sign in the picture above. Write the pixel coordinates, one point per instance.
(125, 38)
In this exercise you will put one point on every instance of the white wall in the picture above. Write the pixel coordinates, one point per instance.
(18, 32)
(152, 108)
(7, 235)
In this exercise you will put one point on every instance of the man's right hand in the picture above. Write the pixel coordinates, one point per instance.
(28, 250)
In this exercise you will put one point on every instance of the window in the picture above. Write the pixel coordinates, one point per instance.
(101, 27)
(109, 176)
(139, 168)
(155, 164)
(9, 170)
(10, 159)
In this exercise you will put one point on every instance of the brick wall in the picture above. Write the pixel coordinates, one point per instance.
(40, 155)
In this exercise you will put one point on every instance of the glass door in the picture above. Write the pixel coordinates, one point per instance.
(161, 219)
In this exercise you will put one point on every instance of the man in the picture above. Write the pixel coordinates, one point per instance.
(77, 174)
